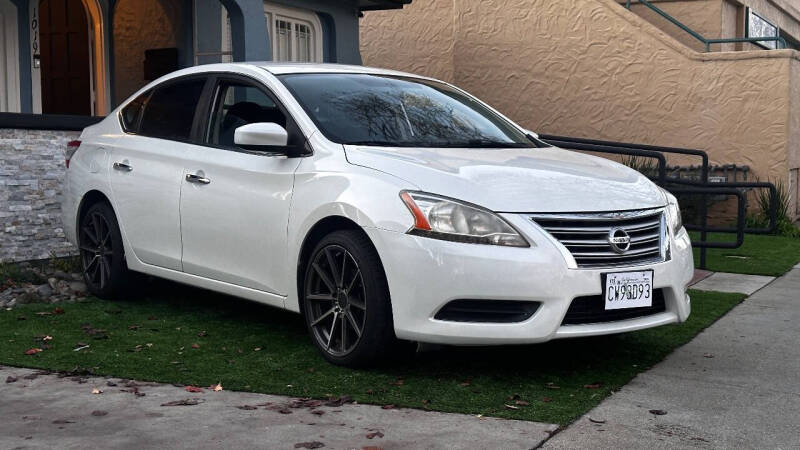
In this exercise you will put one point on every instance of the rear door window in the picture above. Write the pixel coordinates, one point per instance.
(132, 111)
(170, 112)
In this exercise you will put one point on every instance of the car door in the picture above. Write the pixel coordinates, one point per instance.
(147, 164)
(235, 202)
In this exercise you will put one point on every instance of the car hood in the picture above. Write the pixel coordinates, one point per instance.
(516, 180)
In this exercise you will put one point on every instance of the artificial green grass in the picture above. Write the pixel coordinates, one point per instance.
(759, 255)
(250, 347)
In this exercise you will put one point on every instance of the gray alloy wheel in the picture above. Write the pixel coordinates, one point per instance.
(336, 300)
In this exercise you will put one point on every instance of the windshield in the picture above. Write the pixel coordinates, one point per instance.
(364, 109)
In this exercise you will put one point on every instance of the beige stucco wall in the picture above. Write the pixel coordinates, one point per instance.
(590, 68)
(140, 25)
(702, 16)
(421, 37)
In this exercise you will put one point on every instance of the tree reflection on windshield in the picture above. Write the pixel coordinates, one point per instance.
(385, 111)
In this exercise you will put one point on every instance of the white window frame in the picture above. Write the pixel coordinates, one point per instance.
(273, 13)
(295, 16)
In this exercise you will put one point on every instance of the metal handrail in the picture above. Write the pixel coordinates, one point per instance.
(679, 186)
(707, 42)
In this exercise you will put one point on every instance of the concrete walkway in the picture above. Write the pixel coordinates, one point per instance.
(732, 282)
(45, 411)
(734, 386)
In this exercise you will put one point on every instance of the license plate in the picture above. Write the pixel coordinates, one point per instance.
(628, 289)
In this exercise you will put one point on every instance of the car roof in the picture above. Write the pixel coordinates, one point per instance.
(283, 68)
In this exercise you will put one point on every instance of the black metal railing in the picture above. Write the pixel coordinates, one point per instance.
(682, 186)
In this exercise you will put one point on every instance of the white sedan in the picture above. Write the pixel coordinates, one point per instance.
(384, 207)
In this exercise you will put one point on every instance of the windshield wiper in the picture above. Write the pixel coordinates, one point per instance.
(383, 143)
(481, 143)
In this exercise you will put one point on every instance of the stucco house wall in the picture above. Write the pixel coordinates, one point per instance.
(140, 25)
(591, 68)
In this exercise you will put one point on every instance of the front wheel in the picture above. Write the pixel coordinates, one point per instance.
(102, 254)
(346, 300)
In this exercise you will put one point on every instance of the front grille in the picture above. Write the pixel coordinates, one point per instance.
(591, 309)
(586, 236)
(490, 311)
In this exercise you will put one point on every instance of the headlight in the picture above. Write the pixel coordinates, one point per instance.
(674, 218)
(451, 220)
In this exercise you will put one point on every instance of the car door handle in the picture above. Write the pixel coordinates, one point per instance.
(122, 167)
(192, 178)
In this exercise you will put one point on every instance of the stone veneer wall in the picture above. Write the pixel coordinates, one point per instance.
(31, 173)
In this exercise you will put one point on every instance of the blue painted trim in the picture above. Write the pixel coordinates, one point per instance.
(328, 37)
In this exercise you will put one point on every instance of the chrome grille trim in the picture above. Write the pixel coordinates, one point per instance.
(585, 236)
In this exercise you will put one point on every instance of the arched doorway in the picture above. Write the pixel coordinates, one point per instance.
(65, 57)
(64, 28)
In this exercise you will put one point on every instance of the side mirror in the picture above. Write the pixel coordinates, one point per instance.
(260, 136)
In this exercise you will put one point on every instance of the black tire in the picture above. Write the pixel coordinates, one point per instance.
(351, 303)
(102, 253)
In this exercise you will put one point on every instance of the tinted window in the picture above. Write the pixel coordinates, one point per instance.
(130, 113)
(170, 110)
(238, 104)
(394, 111)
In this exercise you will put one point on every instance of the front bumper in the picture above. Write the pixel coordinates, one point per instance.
(425, 274)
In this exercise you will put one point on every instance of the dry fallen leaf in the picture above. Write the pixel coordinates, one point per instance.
(511, 407)
(311, 445)
(374, 434)
(195, 345)
(657, 412)
(11, 379)
(596, 421)
(99, 413)
(47, 338)
(247, 407)
(387, 407)
(592, 386)
(521, 403)
(217, 387)
(193, 389)
(185, 402)
(33, 351)
(96, 391)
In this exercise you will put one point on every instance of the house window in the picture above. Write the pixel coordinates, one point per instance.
(294, 34)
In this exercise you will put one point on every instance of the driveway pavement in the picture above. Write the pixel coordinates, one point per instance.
(734, 386)
(52, 412)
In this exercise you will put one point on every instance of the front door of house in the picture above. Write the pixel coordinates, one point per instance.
(66, 76)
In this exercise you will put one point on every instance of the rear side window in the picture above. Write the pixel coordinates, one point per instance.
(131, 112)
(170, 111)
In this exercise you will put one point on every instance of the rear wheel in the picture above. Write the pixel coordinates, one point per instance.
(346, 300)
(102, 254)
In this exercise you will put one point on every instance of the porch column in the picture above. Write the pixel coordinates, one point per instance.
(248, 30)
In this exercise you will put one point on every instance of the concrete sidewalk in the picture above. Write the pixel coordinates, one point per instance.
(734, 386)
(46, 411)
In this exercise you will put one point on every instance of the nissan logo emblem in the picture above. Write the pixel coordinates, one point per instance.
(619, 240)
